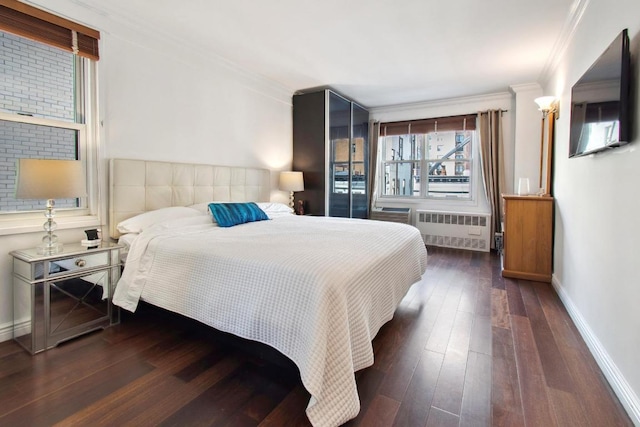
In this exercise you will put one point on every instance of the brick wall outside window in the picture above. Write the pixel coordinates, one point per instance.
(35, 80)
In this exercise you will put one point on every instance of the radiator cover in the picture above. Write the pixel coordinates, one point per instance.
(455, 230)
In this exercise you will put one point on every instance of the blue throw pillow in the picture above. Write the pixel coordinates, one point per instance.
(230, 214)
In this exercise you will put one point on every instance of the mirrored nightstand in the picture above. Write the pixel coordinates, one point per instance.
(60, 296)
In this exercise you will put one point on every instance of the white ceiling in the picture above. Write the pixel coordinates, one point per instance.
(381, 52)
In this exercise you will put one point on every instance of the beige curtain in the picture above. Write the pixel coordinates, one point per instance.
(492, 159)
(374, 136)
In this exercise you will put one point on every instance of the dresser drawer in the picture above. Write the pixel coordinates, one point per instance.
(78, 263)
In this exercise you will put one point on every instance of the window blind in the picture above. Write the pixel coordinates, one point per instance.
(463, 122)
(30, 22)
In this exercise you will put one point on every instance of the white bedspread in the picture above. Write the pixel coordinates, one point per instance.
(316, 289)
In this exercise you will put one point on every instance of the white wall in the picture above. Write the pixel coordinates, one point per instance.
(597, 235)
(161, 100)
(528, 128)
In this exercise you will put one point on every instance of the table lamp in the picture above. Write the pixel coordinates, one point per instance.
(49, 179)
(291, 181)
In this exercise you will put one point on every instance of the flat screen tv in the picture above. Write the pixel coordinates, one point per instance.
(600, 102)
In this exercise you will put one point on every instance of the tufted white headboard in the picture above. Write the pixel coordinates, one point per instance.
(137, 186)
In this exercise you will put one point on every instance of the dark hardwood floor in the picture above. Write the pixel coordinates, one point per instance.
(466, 348)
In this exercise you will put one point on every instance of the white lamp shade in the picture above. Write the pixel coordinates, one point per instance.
(49, 179)
(291, 181)
(545, 103)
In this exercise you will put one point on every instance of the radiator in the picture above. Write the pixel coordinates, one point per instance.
(455, 230)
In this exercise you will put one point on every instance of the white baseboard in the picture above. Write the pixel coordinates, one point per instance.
(6, 332)
(21, 327)
(628, 397)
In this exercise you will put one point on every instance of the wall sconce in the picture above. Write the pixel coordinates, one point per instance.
(50, 179)
(548, 104)
(291, 181)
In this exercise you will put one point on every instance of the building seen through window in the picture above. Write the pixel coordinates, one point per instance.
(432, 164)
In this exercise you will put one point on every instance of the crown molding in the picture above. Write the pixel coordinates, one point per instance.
(569, 28)
(525, 87)
(486, 98)
(107, 19)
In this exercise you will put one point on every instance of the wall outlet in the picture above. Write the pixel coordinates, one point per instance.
(499, 241)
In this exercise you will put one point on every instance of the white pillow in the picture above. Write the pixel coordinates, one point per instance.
(273, 207)
(203, 207)
(138, 223)
(127, 239)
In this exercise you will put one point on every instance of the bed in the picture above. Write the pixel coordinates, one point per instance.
(316, 289)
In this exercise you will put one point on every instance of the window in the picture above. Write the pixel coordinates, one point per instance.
(47, 100)
(401, 169)
(428, 158)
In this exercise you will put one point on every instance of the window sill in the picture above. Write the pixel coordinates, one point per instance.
(32, 225)
(420, 200)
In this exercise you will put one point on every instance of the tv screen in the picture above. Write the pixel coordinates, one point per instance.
(600, 102)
